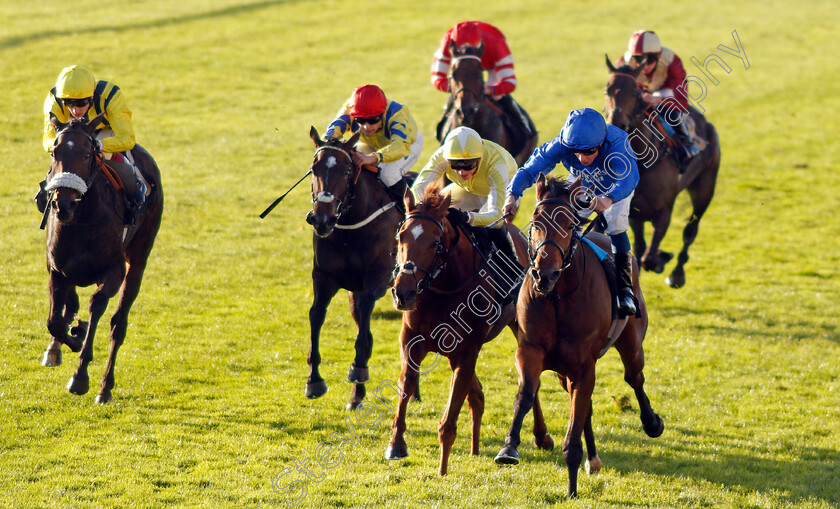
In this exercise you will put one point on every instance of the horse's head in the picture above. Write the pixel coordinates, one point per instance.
(622, 95)
(466, 82)
(73, 164)
(552, 233)
(421, 250)
(333, 176)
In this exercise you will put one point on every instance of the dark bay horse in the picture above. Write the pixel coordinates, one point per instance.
(451, 307)
(565, 320)
(660, 178)
(88, 243)
(355, 221)
(471, 108)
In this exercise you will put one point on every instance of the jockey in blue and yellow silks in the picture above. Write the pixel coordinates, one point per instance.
(597, 153)
(387, 128)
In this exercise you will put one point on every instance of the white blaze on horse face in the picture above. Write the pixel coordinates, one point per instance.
(417, 231)
(331, 162)
(70, 144)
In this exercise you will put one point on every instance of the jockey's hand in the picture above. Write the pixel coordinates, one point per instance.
(602, 203)
(650, 98)
(510, 208)
(457, 216)
(362, 159)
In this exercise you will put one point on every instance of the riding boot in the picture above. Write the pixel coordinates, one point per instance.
(396, 192)
(135, 201)
(506, 265)
(41, 197)
(519, 120)
(626, 297)
(690, 147)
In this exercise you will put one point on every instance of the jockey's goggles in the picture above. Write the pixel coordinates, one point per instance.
(644, 59)
(77, 103)
(368, 120)
(464, 164)
(587, 151)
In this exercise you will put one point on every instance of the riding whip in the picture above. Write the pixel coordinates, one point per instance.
(278, 200)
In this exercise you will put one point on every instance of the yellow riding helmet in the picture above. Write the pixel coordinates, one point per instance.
(75, 82)
(463, 143)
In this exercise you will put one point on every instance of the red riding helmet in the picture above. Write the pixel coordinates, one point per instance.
(467, 33)
(368, 101)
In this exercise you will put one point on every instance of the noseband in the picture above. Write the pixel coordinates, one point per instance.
(565, 257)
(439, 262)
(346, 199)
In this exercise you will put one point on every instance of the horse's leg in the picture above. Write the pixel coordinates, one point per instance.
(654, 259)
(324, 289)
(580, 410)
(80, 383)
(475, 400)
(593, 462)
(629, 346)
(528, 366)
(463, 373)
(701, 192)
(542, 440)
(409, 377)
(119, 322)
(57, 323)
(361, 305)
(639, 242)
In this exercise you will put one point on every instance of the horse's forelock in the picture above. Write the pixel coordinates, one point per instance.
(432, 195)
(556, 187)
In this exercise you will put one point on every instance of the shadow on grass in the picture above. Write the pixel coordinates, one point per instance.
(12, 42)
(387, 314)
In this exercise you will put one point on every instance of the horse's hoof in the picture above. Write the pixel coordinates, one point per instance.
(315, 389)
(358, 375)
(78, 386)
(79, 330)
(396, 452)
(546, 443)
(675, 281)
(654, 429)
(507, 456)
(104, 398)
(51, 358)
(353, 404)
(593, 466)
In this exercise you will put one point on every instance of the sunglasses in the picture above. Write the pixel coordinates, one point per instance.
(644, 59)
(367, 120)
(77, 103)
(464, 165)
(586, 152)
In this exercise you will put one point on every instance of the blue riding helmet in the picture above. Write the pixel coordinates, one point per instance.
(584, 129)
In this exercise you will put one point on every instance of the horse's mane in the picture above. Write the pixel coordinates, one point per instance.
(432, 195)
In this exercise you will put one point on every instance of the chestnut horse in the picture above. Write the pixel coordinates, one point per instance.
(451, 307)
(471, 108)
(88, 243)
(660, 178)
(565, 325)
(355, 221)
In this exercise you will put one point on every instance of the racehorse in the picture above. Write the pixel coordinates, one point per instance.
(566, 324)
(88, 243)
(451, 307)
(355, 221)
(660, 178)
(471, 108)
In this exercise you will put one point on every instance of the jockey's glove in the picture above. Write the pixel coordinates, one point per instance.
(457, 216)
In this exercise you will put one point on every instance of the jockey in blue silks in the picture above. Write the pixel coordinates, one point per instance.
(599, 154)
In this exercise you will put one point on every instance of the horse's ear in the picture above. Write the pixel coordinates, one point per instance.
(453, 48)
(610, 65)
(56, 123)
(446, 202)
(313, 135)
(91, 127)
(408, 199)
(540, 185)
(353, 139)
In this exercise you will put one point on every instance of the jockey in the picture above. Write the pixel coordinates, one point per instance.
(389, 135)
(597, 153)
(496, 58)
(662, 77)
(479, 171)
(77, 94)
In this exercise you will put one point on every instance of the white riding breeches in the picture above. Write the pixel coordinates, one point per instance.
(391, 173)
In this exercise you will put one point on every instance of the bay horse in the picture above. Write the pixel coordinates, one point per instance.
(355, 221)
(566, 323)
(88, 243)
(660, 175)
(470, 107)
(451, 307)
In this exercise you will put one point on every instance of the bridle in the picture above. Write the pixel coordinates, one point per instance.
(565, 256)
(441, 258)
(478, 96)
(343, 203)
(72, 180)
(637, 95)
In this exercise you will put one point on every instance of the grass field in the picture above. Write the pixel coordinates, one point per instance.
(743, 364)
